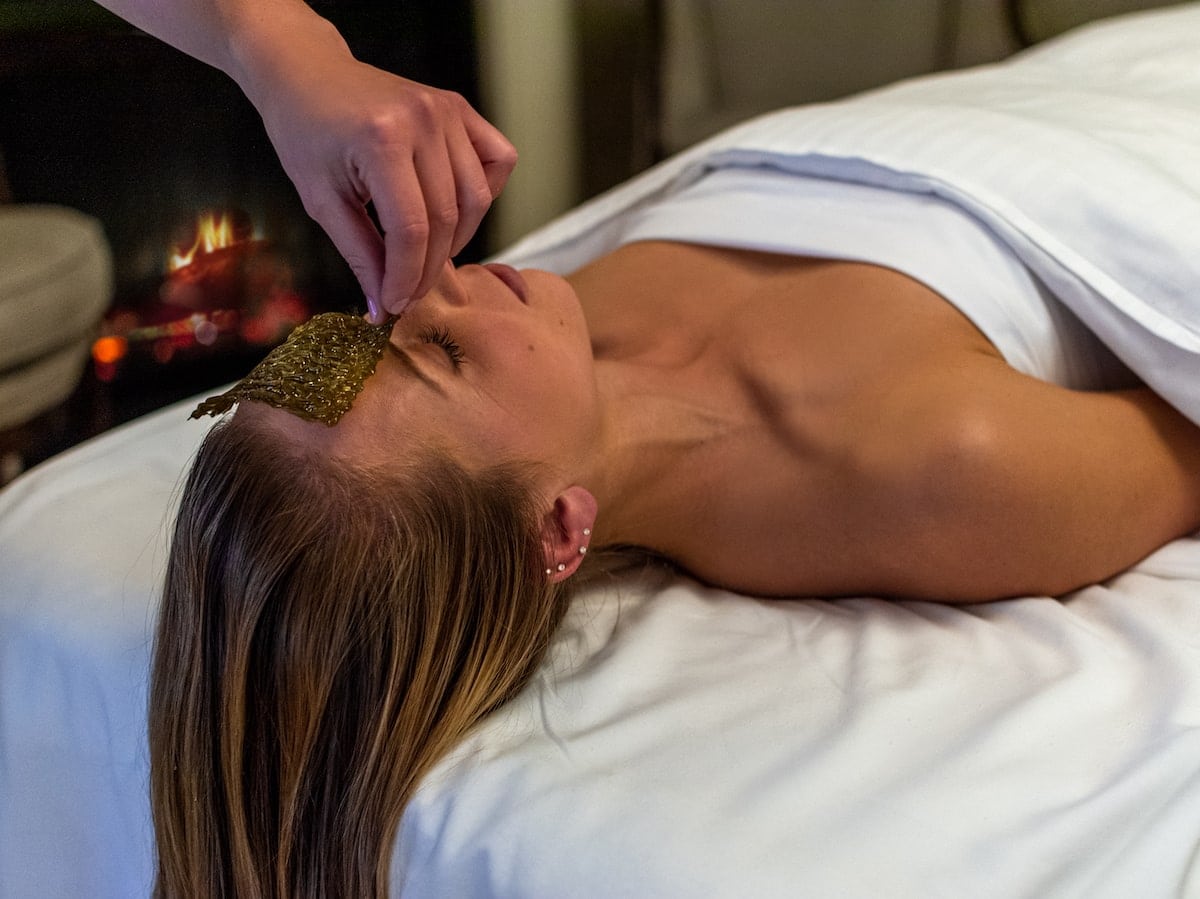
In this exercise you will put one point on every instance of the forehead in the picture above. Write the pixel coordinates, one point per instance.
(384, 424)
(316, 374)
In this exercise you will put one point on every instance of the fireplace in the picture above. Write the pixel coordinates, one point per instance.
(215, 258)
(227, 289)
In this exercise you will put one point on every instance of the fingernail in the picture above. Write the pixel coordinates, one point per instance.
(373, 311)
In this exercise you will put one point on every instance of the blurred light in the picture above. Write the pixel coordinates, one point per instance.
(206, 333)
(109, 350)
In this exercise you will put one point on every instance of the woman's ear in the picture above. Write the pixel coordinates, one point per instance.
(567, 531)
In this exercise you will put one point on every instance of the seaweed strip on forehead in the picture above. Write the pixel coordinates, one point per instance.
(315, 374)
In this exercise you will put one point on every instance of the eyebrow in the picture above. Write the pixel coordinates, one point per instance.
(411, 365)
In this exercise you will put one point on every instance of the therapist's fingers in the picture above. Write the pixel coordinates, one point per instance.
(439, 183)
(356, 239)
(473, 192)
(431, 197)
(495, 153)
(431, 200)
(400, 205)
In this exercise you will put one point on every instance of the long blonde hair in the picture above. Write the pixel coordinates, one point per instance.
(327, 634)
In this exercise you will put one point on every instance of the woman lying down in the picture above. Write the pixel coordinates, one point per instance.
(375, 549)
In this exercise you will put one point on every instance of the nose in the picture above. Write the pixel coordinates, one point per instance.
(447, 293)
(449, 287)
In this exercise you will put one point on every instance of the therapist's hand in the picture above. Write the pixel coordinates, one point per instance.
(348, 133)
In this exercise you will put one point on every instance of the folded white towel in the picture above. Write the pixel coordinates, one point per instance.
(1082, 155)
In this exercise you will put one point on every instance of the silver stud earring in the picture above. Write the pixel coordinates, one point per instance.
(562, 566)
(587, 532)
(582, 550)
(549, 572)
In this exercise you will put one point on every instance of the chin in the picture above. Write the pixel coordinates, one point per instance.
(553, 287)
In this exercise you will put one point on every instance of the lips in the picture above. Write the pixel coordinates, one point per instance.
(512, 279)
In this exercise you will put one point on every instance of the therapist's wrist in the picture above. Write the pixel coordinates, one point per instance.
(273, 44)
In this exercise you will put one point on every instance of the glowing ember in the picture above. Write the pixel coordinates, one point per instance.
(110, 349)
(213, 232)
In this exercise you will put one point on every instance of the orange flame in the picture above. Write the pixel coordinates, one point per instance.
(109, 350)
(212, 233)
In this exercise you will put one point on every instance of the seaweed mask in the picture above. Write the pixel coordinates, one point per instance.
(315, 374)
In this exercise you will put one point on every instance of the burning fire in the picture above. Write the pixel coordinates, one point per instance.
(230, 291)
(213, 232)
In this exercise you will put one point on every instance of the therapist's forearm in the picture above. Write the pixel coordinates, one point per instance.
(255, 42)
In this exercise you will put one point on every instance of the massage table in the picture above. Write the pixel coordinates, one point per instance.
(684, 741)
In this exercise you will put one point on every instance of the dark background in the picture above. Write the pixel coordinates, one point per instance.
(100, 117)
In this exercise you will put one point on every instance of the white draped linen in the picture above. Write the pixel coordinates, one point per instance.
(682, 741)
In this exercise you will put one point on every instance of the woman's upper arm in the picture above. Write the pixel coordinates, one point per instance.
(1005, 485)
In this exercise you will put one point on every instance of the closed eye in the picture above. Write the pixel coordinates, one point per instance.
(441, 337)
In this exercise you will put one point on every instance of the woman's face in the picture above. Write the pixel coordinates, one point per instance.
(492, 365)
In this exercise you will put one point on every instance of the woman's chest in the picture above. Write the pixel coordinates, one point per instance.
(798, 373)
(787, 351)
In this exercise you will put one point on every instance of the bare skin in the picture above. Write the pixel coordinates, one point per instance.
(778, 425)
(826, 428)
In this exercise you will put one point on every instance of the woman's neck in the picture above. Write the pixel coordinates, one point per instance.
(653, 423)
(645, 305)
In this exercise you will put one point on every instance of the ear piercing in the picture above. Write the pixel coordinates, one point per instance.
(562, 566)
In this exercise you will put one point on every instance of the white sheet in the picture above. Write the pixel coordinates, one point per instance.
(927, 238)
(682, 741)
(1081, 155)
(705, 745)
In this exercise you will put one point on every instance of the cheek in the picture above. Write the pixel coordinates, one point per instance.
(532, 396)
(536, 358)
